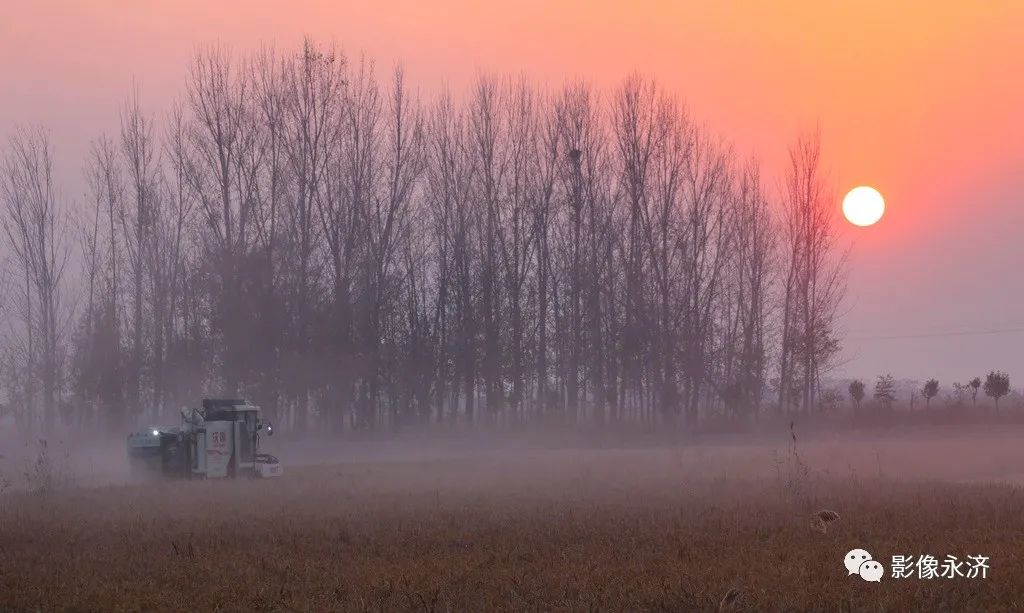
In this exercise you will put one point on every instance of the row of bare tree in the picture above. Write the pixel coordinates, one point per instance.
(304, 233)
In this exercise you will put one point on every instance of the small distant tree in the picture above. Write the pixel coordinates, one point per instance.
(856, 392)
(959, 391)
(885, 390)
(975, 384)
(997, 385)
(830, 399)
(929, 391)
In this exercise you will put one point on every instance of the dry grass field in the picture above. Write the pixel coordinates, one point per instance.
(670, 529)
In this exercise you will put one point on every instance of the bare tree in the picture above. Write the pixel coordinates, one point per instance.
(140, 157)
(450, 178)
(221, 138)
(959, 391)
(313, 84)
(35, 226)
(350, 186)
(664, 221)
(706, 240)
(638, 136)
(815, 279)
(548, 160)
(100, 371)
(387, 220)
(172, 219)
(516, 232)
(885, 390)
(486, 119)
(585, 173)
(751, 279)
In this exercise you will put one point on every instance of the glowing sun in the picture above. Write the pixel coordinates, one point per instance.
(863, 206)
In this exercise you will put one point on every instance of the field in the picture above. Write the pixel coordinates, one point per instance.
(524, 528)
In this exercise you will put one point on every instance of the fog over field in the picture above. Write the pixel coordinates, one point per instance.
(976, 453)
(511, 524)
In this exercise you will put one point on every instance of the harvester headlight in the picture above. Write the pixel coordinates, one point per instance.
(156, 433)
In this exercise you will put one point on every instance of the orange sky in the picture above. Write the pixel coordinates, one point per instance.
(923, 100)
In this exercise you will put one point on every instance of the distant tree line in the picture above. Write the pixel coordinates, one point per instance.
(996, 385)
(304, 233)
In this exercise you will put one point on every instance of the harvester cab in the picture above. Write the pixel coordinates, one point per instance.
(220, 439)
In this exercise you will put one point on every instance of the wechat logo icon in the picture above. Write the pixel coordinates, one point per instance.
(859, 562)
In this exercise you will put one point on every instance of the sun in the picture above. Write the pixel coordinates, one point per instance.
(863, 206)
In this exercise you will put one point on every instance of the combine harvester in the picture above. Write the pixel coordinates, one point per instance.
(220, 440)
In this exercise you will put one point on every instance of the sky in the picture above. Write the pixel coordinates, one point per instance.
(922, 100)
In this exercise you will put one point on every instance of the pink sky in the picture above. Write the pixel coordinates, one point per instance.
(923, 100)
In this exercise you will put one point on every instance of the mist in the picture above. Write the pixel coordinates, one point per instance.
(306, 328)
